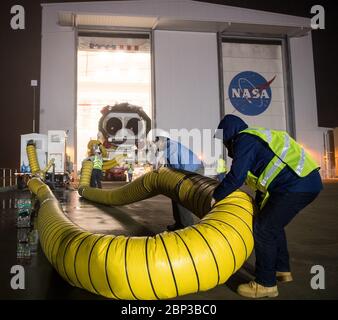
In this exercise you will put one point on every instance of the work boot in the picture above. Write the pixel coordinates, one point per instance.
(284, 276)
(255, 290)
(175, 226)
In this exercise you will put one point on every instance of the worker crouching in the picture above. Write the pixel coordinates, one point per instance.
(286, 180)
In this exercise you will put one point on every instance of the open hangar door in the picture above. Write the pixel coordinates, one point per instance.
(254, 82)
(114, 91)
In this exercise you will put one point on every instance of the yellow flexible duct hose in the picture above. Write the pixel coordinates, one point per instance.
(113, 163)
(87, 167)
(49, 165)
(32, 158)
(86, 172)
(193, 259)
(90, 145)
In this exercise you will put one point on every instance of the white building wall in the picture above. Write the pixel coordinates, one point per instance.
(304, 91)
(187, 84)
(58, 82)
(175, 9)
(191, 63)
(186, 80)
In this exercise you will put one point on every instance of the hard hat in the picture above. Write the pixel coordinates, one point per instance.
(154, 133)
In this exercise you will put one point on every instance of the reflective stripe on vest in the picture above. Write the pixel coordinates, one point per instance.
(97, 163)
(301, 162)
(276, 165)
(290, 152)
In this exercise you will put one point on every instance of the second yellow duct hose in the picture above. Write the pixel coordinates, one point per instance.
(86, 172)
(108, 164)
(169, 264)
(92, 143)
(33, 159)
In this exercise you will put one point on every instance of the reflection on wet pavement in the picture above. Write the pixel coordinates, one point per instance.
(19, 239)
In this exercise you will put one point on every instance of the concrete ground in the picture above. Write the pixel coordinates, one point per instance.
(312, 238)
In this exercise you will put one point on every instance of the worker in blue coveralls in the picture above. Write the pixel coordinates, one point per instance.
(177, 156)
(286, 179)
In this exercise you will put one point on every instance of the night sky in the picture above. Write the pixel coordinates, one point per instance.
(20, 57)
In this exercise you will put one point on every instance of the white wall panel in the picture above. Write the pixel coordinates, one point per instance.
(187, 87)
(260, 64)
(58, 85)
(304, 91)
(186, 80)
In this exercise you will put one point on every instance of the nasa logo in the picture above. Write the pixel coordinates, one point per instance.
(250, 93)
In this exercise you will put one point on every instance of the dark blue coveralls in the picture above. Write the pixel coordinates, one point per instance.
(288, 195)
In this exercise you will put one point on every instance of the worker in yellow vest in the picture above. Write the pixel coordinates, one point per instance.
(95, 181)
(221, 168)
(286, 179)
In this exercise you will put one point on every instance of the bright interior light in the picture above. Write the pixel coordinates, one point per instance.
(107, 77)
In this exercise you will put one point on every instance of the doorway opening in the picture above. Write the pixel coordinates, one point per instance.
(113, 90)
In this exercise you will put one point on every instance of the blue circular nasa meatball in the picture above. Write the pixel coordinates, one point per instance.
(250, 93)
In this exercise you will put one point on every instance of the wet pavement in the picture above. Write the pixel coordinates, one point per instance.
(312, 238)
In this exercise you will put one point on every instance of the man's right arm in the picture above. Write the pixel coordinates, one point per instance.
(244, 157)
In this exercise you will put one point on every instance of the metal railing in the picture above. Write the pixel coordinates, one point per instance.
(8, 177)
(328, 170)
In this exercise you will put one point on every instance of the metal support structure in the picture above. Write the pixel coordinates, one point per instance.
(34, 109)
(221, 85)
(4, 177)
(7, 177)
(329, 157)
(288, 88)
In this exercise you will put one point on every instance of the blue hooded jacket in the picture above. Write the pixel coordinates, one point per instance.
(250, 153)
(231, 126)
(179, 157)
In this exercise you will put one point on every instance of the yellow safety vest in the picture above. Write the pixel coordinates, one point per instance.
(287, 153)
(221, 167)
(97, 163)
